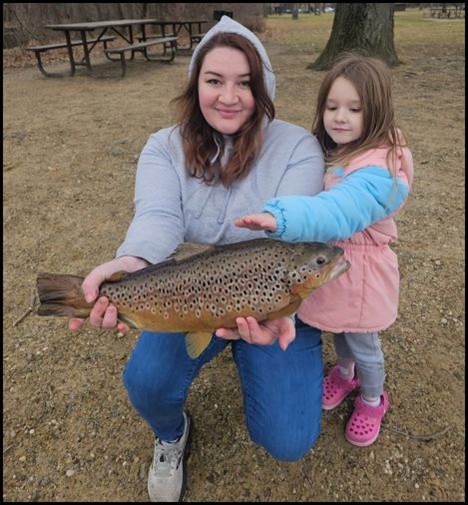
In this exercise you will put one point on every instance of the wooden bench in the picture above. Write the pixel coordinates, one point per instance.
(455, 12)
(167, 43)
(447, 12)
(47, 47)
(194, 38)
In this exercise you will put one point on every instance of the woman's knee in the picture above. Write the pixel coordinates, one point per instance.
(156, 369)
(289, 452)
(144, 383)
(288, 449)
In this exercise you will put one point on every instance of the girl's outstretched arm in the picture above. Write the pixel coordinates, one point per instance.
(361, 199)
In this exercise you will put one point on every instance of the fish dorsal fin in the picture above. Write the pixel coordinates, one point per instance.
(117, 276)
(196, 342)
(187, 250)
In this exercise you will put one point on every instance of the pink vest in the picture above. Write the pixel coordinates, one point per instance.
(365, 298)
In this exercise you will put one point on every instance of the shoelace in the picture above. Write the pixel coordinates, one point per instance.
(166, 457)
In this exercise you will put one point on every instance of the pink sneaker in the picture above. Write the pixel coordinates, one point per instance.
(364, 424)
(336, 388)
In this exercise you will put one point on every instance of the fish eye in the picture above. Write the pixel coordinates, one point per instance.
(321, 260)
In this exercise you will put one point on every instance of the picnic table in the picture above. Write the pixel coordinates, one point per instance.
(447, 12)
(123, 29)
(192, 27)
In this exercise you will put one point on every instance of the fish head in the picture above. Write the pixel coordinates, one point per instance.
(314, 264)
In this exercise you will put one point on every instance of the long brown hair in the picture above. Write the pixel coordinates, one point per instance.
(372, 80)
(201, 141)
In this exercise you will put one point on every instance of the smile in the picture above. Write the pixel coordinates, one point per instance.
(227, 111)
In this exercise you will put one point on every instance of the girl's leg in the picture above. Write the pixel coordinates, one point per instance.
(370, 407)
(158, 376)
(341, 380)
(369, 359)
(345, 356)
(282, 392)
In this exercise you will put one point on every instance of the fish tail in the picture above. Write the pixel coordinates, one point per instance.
(61, 295)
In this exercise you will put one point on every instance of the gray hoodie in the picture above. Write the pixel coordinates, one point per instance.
(171, 207)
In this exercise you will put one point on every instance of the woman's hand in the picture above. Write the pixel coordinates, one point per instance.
(104, 314)
(264, 221)
(266, 333)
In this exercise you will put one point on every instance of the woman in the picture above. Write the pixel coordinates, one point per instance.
(225, 156)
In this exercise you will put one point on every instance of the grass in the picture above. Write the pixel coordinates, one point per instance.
(413, 29)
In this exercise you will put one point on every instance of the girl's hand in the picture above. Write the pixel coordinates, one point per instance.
(264, 221)
(103, 313)
(266, 333)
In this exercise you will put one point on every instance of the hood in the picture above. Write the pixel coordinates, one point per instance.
(226, 24)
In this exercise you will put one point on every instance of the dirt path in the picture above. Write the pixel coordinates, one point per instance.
(70, 150)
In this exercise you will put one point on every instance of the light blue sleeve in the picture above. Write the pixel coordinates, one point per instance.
(362, 198)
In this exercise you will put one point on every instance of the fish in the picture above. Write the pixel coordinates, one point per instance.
(203, 287)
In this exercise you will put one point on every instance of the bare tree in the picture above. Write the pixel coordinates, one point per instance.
(366, 28)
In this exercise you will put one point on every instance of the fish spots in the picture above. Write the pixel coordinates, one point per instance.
(252, 278)
(295, 276)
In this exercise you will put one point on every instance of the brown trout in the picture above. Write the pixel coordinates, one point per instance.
(201, 287)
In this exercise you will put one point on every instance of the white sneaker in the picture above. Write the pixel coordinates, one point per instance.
(167, 477)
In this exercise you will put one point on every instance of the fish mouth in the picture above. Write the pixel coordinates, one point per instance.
(339, 268)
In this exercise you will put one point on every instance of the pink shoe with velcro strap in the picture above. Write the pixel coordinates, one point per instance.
(336, 388)
(364, 424)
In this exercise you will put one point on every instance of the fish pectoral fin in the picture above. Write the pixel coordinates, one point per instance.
(197, 342)
(117, 276)
(126, 320)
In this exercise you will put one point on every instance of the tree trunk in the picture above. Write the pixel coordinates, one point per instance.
(362, 28)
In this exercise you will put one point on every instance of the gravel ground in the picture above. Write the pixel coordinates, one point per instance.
(70, 434)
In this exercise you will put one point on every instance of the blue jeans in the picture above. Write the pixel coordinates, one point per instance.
(282, 390)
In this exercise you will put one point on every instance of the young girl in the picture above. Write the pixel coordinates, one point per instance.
(369, 174)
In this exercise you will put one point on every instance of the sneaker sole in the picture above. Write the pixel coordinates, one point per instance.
(187, 453)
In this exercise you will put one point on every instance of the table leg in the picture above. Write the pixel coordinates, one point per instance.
(130, 36)
(176, 29)
(189, 29)
(70, 53)
(86, 51)
(163, 33)
(143, 39)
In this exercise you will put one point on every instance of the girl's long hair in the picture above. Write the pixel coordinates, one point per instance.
(201, 142)
(372, 80)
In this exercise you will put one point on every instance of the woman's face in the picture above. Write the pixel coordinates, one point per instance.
(224, 93)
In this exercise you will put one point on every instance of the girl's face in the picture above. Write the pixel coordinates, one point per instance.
(224, 93)
(343, 115)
